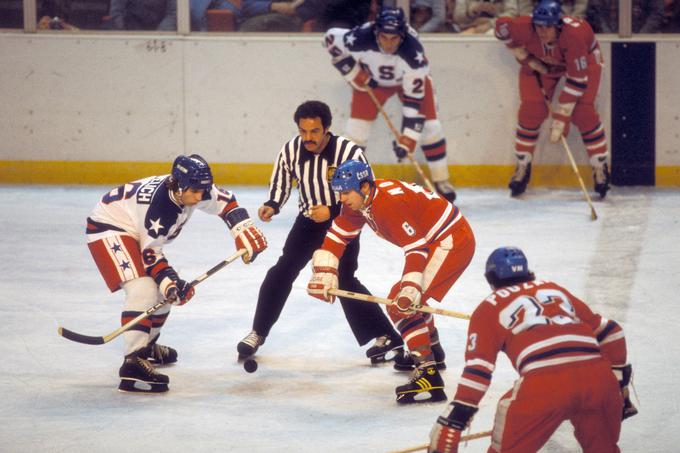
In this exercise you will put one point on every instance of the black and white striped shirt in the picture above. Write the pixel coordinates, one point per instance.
(313, 172)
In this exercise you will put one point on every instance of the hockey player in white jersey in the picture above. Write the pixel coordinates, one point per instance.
(387, 56)
(126, 233)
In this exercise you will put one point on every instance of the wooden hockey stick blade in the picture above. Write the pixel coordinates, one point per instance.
(95, 340)
(381, 300)
(462, 439)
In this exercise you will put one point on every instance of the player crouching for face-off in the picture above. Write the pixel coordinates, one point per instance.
(438, 245)
(126, 233)
(571, 361)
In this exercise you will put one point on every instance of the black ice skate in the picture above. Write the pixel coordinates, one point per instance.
(249, 345)
(405, 361)
(137, 375)
(445, 189)
(157, 354)
(426, 386)
(385, 349)
(601, 180)
(520, 180)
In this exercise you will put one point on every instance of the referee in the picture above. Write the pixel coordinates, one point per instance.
(310, 159)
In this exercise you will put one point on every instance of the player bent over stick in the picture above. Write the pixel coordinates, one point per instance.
(571, 361)
(438, 245)
(381, 59)
(126, 233)
(549, 46)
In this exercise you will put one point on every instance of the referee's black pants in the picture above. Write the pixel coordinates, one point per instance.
(367, 320)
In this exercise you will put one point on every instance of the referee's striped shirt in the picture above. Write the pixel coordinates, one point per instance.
(313, 172)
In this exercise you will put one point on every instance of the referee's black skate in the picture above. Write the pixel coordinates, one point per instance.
(137, 375)
(249, 345)
(426, 386)
(157, 354)
(385, 348)
(405, 361)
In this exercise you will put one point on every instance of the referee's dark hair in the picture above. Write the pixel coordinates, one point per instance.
(314, 109)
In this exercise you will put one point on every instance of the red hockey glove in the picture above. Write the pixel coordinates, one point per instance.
(446, 432)
(363, 79)
(402, 148)
(561, 117)
(248, 236)
(410, 292)
(176, 290)
(325, 277)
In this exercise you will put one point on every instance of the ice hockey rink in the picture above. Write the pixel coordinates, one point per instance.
(314, 390)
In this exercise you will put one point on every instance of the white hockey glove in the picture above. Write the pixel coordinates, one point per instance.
(561, 116)
(410, 293)
(325, 277)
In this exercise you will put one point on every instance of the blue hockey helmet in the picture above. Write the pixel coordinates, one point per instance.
(350, 175)
(391, 20)
(192, 172)
(507, 263)
(547, 13)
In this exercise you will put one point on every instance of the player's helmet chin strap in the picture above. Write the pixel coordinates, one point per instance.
(368, 198)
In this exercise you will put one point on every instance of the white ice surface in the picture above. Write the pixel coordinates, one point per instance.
(314, 390)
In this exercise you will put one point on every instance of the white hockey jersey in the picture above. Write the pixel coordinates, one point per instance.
(146, 210)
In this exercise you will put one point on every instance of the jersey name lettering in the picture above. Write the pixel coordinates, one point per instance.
(146, 192)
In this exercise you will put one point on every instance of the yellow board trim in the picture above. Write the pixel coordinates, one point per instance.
(113, 173)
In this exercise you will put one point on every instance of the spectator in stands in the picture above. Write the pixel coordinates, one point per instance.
(647, 16)
(476, 16)
(272, 16)
(428, 16)
(142, 15)
(572, 8)
(671, 16)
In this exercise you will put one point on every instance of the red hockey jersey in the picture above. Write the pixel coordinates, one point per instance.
(576, 49)
(404, 214)
(537, 324)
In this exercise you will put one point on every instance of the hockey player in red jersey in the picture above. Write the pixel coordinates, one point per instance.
(572, 364)
(126, 233)
(387, 56)
(438, 245)
(549, 46)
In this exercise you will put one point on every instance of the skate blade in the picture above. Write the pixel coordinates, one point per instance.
(136, 386)
(431, 396)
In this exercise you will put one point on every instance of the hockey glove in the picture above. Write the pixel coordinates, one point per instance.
(361, 80)
(410, 292)
(325, 275)
(446, 432)
(173, 288)
(623, 375)
(403, 147)
(561, 117)
(248, 236)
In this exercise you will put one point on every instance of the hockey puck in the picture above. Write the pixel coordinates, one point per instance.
(250, 365)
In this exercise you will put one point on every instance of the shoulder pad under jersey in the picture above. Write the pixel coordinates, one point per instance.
(412, 51)
(361, 39)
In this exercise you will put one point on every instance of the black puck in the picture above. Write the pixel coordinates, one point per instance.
(250, 365)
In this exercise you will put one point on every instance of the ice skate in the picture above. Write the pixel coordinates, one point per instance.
(137, 375)
(406, 362)
(249, 345)
(446, 190)
(520, 180)
(426, 386)
(601, 179)
(157, 354)
(385, 349)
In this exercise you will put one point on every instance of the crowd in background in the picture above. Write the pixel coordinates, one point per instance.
(426, 16)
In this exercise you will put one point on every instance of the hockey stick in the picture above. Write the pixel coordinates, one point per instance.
(380, 300)
(593, 214)
(86, 339)
(427, 181)
(462, 439)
